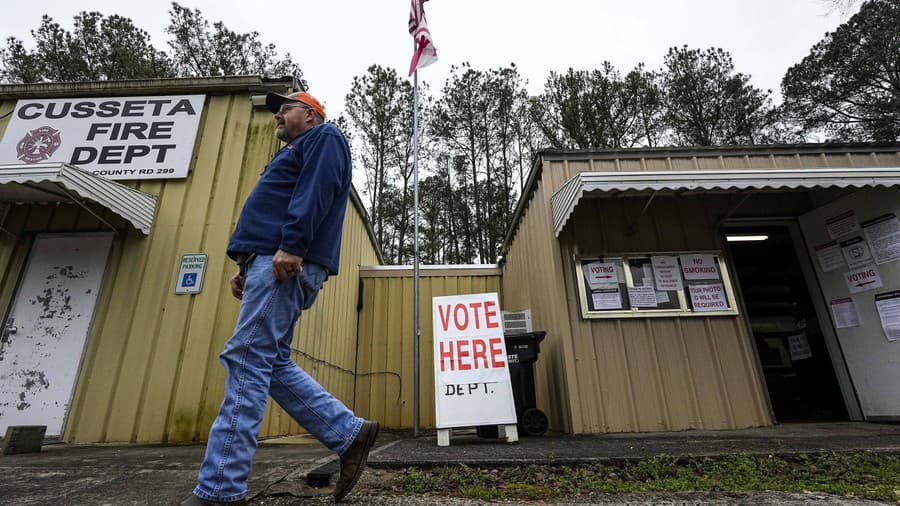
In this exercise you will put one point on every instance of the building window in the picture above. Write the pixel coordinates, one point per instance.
(686, 283)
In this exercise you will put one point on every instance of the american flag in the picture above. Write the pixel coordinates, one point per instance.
(425, 53)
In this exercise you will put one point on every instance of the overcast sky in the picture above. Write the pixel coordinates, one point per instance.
(334, 40)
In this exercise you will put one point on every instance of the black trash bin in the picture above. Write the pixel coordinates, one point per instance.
(522, 352)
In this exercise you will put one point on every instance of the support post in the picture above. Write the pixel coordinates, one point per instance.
(509, 432)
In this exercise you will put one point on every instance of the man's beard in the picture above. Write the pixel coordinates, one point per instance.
(281, 133)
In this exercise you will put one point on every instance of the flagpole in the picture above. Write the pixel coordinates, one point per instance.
(416, 253)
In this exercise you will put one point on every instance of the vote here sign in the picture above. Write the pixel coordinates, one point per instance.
(471, 374)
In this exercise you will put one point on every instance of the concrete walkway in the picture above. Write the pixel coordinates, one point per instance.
(780, 439)
(164, 474)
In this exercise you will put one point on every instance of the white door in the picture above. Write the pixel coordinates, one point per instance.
(854, 244)
(43, 338)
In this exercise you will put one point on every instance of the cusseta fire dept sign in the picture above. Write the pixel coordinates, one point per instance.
(117, 138)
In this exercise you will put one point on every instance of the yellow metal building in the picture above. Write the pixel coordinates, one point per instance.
(149, 370)
(630, 368)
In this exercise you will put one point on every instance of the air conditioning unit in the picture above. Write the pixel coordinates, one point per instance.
(516, 322)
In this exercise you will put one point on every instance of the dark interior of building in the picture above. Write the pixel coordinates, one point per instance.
(798, 370)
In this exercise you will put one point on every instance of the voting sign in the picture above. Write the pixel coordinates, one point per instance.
(471, 374)
(602, 275)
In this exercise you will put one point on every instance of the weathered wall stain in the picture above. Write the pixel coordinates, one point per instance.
(51, 306)
(22, 406)
(31, 381)
(35, 378)
(67, 271)
(55, 303)
(40, 352)
(5, 341)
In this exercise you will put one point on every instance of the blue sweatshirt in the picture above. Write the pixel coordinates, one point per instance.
(298, 203)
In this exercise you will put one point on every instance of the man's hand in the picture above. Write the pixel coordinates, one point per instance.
(285, 265)
(237, 286)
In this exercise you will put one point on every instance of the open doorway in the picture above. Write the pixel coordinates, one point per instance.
(788, 336)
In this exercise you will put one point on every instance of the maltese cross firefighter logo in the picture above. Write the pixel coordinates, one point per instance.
(38, 145)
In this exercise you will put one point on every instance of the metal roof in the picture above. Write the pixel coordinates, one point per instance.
(59, 182)
(731, 150)
(143, 87)
(563, 202)
(552, 154)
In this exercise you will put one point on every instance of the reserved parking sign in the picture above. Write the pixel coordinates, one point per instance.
(190, 274)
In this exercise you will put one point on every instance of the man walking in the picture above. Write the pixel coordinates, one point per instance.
(286, 243)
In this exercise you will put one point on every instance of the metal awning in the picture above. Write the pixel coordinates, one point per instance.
(59, 182)
(567, 197)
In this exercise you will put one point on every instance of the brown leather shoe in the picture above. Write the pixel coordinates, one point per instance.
(353, 460)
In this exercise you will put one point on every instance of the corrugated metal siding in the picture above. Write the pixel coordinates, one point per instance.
(644, 374)
(384, 390)
(533, 278)
(151, 370)
(665, 373)
(6, 107)
(328, 331)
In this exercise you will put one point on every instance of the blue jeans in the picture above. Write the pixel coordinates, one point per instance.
(257, 360)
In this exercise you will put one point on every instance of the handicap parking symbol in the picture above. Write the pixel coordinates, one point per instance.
(189, 279)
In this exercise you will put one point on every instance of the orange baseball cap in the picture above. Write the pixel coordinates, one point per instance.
(274, 101)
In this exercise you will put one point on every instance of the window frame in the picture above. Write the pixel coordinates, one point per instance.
(684, 309)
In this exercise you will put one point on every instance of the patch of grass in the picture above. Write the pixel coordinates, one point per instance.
(527, 491)
(415, 481)
(479, 492)
(869, 475)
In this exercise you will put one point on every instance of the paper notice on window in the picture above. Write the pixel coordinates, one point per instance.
(607, 299)
(842, 224)
(863, 279)
(856, 252)
(648, 275)
(711, 297)
(844, 313)
(888, 305)
(883, 236)
(699, 267)
(642, 296)
(666, 273)
(799, 347)
(830, 257)
(602, 275)
(662, 297)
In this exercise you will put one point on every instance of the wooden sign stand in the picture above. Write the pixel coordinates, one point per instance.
(508, 432)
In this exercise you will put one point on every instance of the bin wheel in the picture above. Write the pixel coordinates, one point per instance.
(533, 422)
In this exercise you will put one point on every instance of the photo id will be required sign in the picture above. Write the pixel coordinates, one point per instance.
(471, 375)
